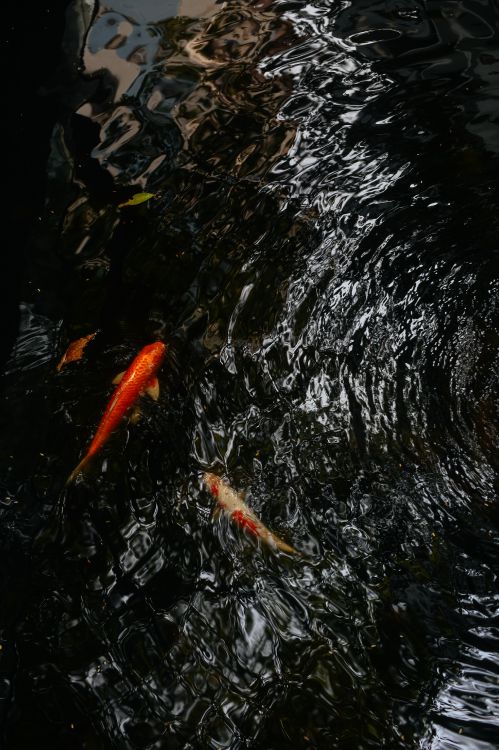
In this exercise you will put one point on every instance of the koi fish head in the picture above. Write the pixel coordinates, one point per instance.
(154, 354)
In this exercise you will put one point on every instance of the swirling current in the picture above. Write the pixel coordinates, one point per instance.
(319, 250)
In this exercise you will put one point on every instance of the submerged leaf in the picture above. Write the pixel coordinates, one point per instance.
(75, 350)
(136, 199)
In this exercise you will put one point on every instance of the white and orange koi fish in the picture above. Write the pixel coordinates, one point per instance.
(233, 504)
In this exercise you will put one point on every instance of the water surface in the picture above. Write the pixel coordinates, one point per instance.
(321, 257)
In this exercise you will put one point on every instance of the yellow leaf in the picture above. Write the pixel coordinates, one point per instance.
(136, 199)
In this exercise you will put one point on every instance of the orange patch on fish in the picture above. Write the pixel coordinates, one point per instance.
(140, 377)
(233, 504)
(75, 350)
(245, 522)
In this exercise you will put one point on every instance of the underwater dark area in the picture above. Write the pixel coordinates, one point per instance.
(301, 201)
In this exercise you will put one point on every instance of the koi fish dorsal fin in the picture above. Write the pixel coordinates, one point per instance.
(119, 377)
(152, 388)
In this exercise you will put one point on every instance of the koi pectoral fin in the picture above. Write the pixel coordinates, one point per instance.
(119, 377)
(135, 415)
(152, 388)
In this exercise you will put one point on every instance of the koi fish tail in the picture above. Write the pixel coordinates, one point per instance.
(79, 469)
(284, 547)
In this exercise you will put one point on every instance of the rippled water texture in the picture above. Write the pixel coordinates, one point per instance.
(321, 256)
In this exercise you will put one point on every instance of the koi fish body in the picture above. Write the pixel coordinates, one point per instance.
(140, 377)
(233, 504)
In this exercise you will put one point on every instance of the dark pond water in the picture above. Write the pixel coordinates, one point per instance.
(321, 257)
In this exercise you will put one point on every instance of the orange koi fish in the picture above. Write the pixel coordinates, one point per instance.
(140, 377)
(233, 504)
(75, 350)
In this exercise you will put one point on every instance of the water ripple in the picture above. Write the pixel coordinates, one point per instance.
(320, 255)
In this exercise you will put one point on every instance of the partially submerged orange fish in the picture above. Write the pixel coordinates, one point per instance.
(75, 350)
(140, 377)
(233, 504)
